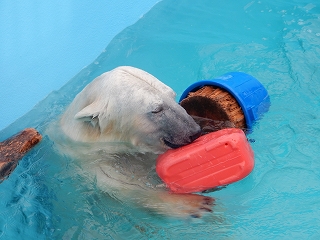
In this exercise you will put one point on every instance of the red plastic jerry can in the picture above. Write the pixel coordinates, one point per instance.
(216, 159)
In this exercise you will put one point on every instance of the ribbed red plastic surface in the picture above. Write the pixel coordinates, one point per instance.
(213, 160)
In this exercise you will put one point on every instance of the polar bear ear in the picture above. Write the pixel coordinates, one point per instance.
(89, 114)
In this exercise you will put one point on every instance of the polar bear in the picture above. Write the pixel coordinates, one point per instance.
(128, 106)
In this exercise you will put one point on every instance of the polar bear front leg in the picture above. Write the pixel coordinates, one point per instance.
(132, 184)
(158, 200)
(177, 205)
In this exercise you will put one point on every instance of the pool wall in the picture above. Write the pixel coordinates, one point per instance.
(44, 44)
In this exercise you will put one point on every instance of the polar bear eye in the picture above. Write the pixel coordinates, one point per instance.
(158, 109)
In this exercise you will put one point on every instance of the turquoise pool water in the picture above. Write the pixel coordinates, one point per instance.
(181, 42)
(44, 44)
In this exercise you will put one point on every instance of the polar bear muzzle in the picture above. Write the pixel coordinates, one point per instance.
(174, 146)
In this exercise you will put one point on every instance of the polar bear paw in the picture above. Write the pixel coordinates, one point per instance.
(182, 205)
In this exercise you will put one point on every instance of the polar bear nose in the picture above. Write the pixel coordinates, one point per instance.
(195, 136)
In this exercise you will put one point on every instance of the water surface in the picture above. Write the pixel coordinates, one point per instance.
(181, 42)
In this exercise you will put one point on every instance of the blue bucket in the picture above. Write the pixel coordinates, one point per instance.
(252, 97)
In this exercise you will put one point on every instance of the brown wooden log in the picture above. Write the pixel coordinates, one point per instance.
(216, 104)
(14, 148)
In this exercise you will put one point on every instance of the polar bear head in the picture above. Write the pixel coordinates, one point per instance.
(129, 105)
